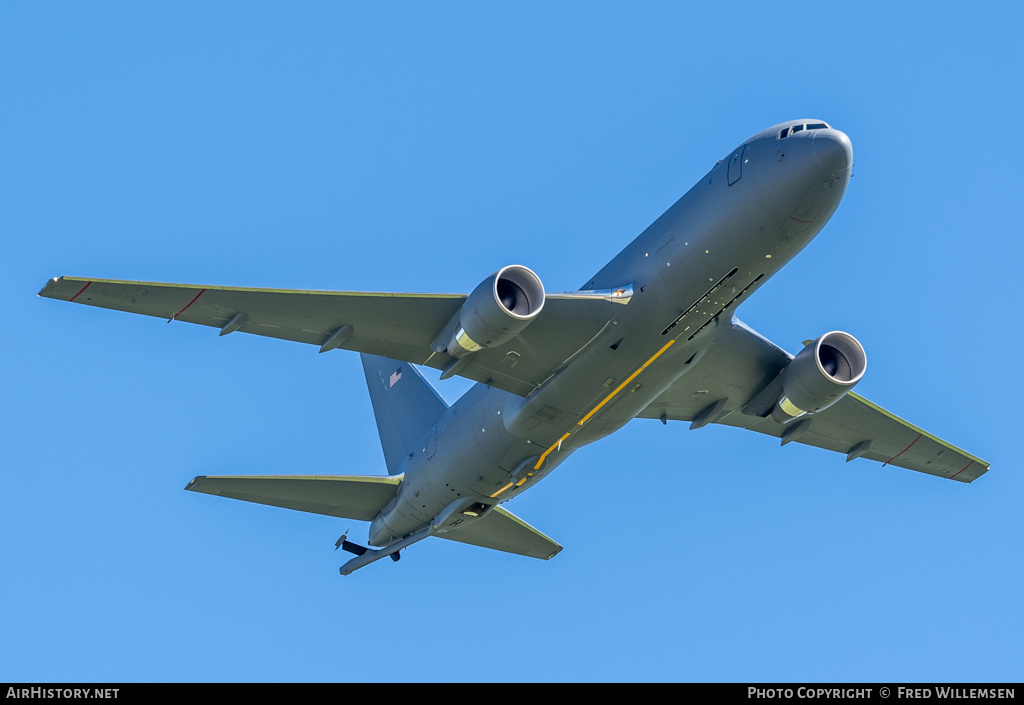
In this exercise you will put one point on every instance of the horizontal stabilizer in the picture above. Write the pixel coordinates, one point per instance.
(503, 531)
(358, 497)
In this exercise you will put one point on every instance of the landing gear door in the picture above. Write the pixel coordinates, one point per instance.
(736, 164)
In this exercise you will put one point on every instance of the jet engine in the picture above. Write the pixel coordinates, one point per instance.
(819, 376)
(499, 309)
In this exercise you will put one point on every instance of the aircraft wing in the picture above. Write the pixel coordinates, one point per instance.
(503, 531)
(398, 326)
(741, 363)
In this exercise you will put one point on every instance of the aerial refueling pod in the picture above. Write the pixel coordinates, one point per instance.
(819, 376)
(499, 309)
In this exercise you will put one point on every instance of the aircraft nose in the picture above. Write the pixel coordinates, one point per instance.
(833, 150)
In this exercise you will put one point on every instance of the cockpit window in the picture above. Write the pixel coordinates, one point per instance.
(788, 131)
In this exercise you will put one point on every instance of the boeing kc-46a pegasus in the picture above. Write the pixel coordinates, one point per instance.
(651, 335)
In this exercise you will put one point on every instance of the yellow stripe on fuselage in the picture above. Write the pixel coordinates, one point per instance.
(600, 404)
(629, 379)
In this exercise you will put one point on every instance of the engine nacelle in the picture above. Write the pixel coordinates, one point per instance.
(499, 309)
(819, 376)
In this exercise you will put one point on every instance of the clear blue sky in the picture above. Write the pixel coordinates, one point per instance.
(419, 147)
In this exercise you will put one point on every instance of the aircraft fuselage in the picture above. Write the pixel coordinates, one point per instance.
(745, 219)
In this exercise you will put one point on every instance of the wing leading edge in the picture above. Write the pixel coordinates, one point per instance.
(742, 363)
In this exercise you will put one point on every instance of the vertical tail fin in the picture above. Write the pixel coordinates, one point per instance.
(404, 403)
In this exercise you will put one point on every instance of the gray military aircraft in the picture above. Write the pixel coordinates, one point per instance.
(651, 335)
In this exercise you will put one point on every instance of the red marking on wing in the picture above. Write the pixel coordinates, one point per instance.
(79, 292)
(189, 304)
(964, 468)
(903, 451)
